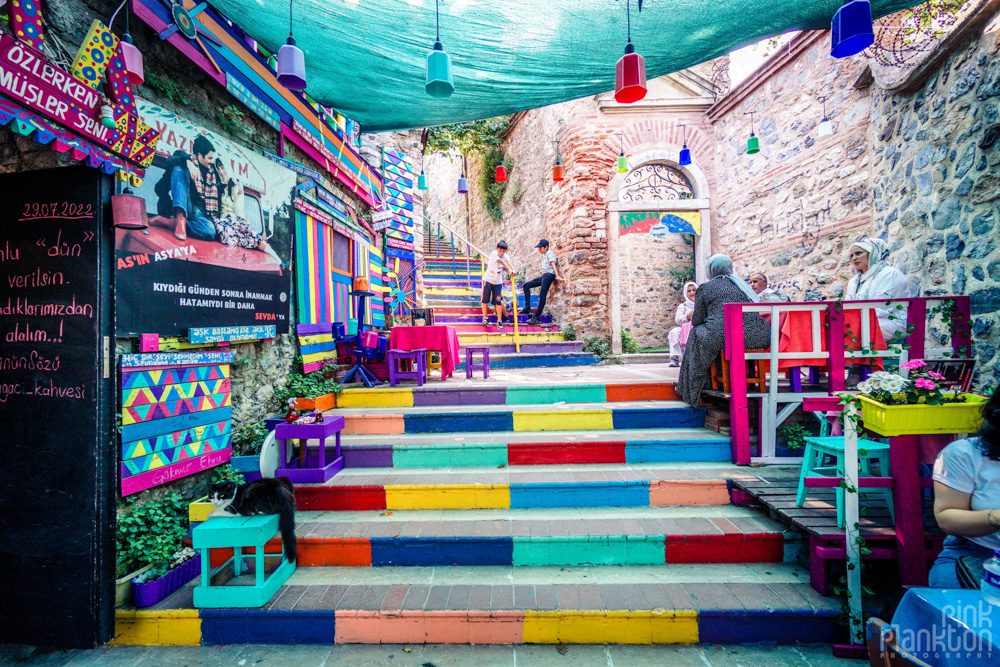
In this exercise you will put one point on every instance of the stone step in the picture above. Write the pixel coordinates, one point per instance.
(583, 416)
(507, 336)
(674, 603)
(528, 348)
(526, 359)
(646, 358)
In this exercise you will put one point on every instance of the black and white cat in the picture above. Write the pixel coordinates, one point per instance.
(262, 496)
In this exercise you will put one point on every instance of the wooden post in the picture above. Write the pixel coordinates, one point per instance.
(916, 315)
(614, 278)
(907, 501)
(739, 415)
(962, 337)
(835, 346)
(852, 517)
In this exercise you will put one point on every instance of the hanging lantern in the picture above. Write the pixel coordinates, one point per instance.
(422, 181)
(129, 210)
(630, 72)
(557, 172)
(622, 161)
(753, 143)
(825, 126)
(291, 61)
(463, 184)
(684, 158)
(852, 29)
(501, 173)
(132, 57)
(107, 116)
(440, 83)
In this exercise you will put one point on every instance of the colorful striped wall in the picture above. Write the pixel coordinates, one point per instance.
(377, 283)
(322, 295)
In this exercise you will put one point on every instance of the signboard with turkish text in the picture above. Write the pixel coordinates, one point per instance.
(660, 224)
(217, 249)
(396, 243)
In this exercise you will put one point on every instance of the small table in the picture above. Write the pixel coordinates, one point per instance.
(309, 468)
(932, 622)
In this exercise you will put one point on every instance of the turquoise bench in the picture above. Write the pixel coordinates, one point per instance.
(236, 533)
(833, 446)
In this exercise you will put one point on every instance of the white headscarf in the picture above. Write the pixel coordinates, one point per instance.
(878, 251)
(722, 265)
(688, 302)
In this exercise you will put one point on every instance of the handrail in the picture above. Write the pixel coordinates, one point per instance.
(456, 234)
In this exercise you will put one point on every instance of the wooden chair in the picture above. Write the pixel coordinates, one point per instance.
(756, 376)
(883, 647)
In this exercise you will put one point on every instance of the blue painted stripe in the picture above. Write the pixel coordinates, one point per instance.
(413, 551)
(783, 626)
(528, 361)
(319, 347)
(260, 626)
(676, 451)
(156, 427)
(662, 418)
(459, 422)
(583, 494)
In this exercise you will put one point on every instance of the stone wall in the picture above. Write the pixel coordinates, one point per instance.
(919, 168)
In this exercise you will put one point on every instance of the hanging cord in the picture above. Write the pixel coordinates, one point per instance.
(111, 22)
(628, 18)
(437, 19)
(290, 22)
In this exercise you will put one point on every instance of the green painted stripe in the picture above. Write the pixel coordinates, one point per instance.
(420, 456)
(582, 393)
(590, 550)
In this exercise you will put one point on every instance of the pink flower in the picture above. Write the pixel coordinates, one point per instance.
(936, 376)
(924, 383)
(910, 365)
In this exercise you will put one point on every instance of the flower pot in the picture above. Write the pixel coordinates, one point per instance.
(321, 403)
(149, 593)
(918, 419)
(123, 587)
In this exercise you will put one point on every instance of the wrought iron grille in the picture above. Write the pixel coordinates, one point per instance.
(656, 182)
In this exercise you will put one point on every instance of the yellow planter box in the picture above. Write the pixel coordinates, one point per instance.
(921, 419)
(199, 510)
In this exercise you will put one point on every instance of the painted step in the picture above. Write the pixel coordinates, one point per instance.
(671, 604)
(529, 348)
(524, 538)
(476, 318)
(431, 395)
(639, 446)
(462, 309)
(526, 359)
(583, 416)
(480, 329)
(493, 336)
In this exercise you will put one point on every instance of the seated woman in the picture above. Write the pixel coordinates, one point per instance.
(967, 497)
(682, 318)
(708, 338)
(877, 280)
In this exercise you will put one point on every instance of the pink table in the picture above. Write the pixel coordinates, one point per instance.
(441, 338)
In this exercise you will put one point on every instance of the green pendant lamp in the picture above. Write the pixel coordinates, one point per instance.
(421, 180)
(622, 160)
(753, 143)
(440, 83)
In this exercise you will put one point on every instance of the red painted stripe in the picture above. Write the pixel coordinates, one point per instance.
(340, 498)
(725, 548)
(313, 552)
(546, 453)
(650, 391)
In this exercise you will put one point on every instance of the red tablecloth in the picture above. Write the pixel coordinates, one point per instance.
(796, 336)
(438, 337)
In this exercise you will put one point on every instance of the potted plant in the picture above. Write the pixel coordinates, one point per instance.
(311, 391)
(159, 581)
(149, 534)
(915, 405)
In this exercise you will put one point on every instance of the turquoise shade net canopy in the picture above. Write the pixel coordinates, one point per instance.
(367, 58)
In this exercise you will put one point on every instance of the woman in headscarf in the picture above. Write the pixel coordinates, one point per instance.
(682, 318)
(708, 337)
(877, 280)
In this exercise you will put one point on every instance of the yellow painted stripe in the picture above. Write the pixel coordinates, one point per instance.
(315, 339)
(470, 338)
(556, 420)
(169, 627)
(318, 356)
(611, 627)
(448, 291)
(199, 510)
(376, 398)
(447, 496)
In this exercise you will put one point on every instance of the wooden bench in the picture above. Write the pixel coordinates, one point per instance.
(236, 533)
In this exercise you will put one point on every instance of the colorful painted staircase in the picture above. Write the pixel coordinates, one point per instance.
(453, 288)
(593, 513)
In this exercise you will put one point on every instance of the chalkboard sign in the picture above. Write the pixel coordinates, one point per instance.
(57, 456)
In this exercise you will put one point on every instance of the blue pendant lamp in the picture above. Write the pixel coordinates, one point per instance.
(852, 29)
(753, 143)
(291, 61)
(685, 156)
(439, 80)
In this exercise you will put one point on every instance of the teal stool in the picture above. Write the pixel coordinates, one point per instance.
(235, 533)
(833, 446)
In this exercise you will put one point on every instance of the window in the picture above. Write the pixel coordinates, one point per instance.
(341, 253)
(655, 182)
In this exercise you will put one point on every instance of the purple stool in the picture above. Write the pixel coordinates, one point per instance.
(418, 366)
(470, 366)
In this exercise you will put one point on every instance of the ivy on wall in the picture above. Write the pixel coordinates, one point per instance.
(493, 191)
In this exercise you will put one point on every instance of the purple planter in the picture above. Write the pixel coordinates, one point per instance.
(149, 593)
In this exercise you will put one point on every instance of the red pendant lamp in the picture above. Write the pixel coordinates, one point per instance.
(557, 171)
(630, 72)
(501, 173)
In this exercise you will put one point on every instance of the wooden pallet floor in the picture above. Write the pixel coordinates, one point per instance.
(774, 489)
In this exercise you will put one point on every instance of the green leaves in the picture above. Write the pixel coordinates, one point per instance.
(150, 533)
(474, 136)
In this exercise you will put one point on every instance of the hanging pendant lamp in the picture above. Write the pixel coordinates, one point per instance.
(753, 143)
(852, 29)
(421, 180)
(291, 61)
(129, 210)
(439, 79)
(630, 72)
(622, 160)
(463, 184)
(107, 116)
(825, 126)
(557, 170)
(132, 56)
(501, 175)
(685, 157)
